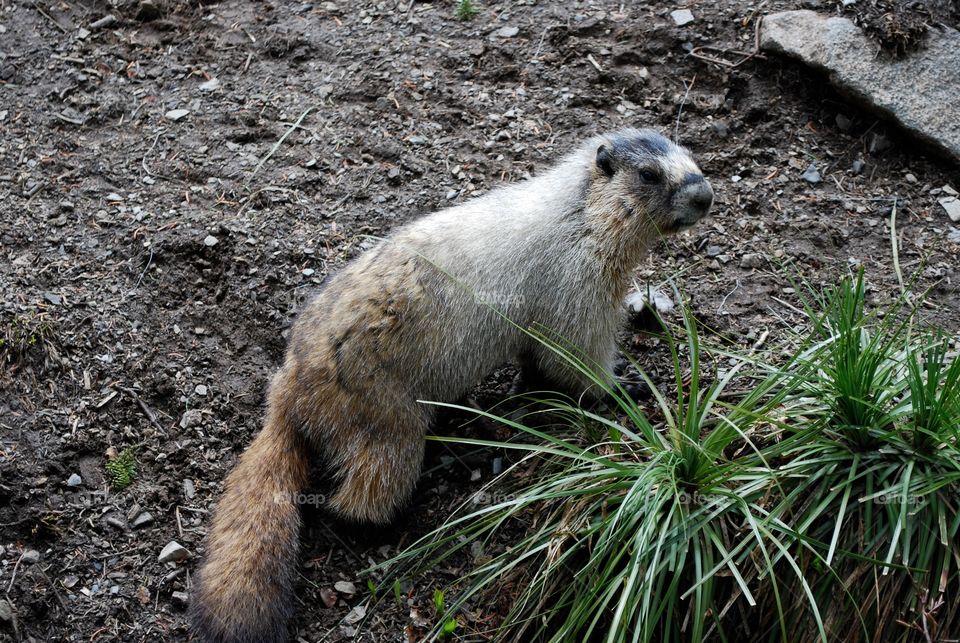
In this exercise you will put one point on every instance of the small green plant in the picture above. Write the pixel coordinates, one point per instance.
(448, 624)
(122, 469)
(466, 10)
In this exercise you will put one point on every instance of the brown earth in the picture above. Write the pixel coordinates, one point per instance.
(151, 265)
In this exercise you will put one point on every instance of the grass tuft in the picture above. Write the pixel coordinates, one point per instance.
(466, 10)
(122, 469)
(812, 494)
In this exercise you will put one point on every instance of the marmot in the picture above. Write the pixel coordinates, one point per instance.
(424, 316)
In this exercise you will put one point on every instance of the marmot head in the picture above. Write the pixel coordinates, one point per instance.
(641, 175)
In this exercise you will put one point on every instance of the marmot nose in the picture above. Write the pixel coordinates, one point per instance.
(701, 195)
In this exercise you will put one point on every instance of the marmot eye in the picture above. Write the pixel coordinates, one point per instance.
(649, 176)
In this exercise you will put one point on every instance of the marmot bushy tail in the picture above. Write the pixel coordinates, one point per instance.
(424, 316)
(244, 593)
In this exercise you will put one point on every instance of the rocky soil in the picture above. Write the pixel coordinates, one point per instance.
(175, 179)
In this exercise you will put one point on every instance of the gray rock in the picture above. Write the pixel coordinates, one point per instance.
(811, 175)
(172, 552)
(176, 114)
(181, 597)
(7, 615)
(107, 21)
(189, 490)
(682, 17)
(345, 587)
(144, 518)
(355, 615)
(210, 241)
(857, 166)
(751, 260)
(952, 205)
(201, 390)
(191, 418)
(74, 480)
(917, 91)
(210, 85)
(31, 556)
(721, 129)
(507, 32)
(879, 142)
(148, 10)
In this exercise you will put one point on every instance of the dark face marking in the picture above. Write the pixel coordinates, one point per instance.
(643, 144)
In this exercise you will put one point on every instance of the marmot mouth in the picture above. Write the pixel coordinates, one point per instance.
(688, 220)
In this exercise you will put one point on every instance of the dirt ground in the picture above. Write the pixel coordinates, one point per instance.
(153, 259)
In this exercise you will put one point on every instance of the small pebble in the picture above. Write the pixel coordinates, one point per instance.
(142, 519)
(181, 597)
(148, 10)
(31, 556)
(508, 32)
(811, 175)
(172, 552)
(189, 491)
(952, 205)
(176, 114)
(355, 615)
(7, 615)
(191, 418)
(682, 17)
(104, 22)
(201, 390)
(210, 241)
(751, 260)
(116, 522)
(721, 129)
(345, 587)
(74, 480)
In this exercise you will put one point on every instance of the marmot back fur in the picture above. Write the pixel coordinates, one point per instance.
(423, 316)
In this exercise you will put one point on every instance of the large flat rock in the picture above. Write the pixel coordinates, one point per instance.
(921, 91)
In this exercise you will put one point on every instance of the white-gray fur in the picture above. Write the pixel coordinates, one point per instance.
(424, 315)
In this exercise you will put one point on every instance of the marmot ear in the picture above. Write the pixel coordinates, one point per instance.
(604, 162)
